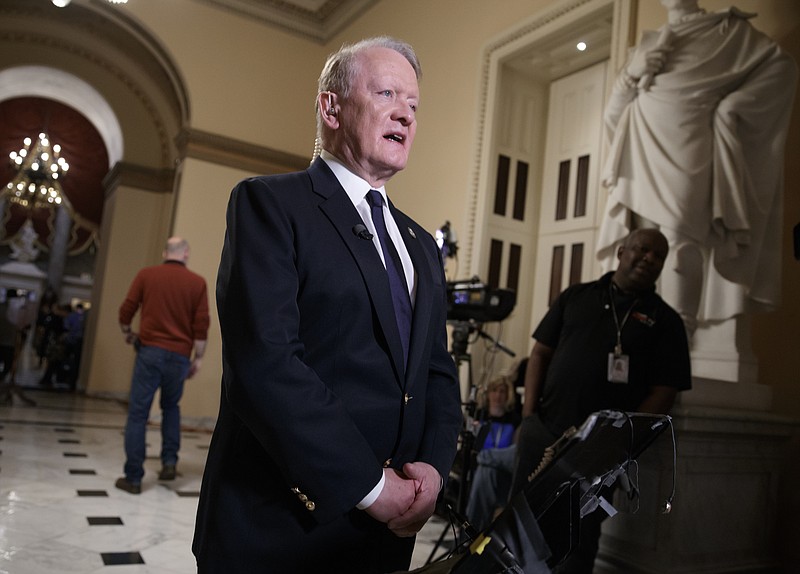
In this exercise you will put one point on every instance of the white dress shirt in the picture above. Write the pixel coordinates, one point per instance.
(357, 190)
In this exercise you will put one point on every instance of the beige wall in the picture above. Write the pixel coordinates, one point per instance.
(255, 83)
(245, 80)
(134, 221)
(200, 218)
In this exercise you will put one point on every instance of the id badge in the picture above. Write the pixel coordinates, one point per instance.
(618, 368)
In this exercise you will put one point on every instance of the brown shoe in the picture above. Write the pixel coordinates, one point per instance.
(123, 484)
(167, 472)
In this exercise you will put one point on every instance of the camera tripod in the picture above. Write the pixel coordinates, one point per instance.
(458, 350)
(460, 342)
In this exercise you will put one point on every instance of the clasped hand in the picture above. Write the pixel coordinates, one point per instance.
(408, 498)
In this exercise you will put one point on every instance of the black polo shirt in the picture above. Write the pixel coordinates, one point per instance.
(580, 327)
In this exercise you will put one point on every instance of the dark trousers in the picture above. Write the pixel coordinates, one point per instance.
(533, 438)
(155, 368)
(352, 544)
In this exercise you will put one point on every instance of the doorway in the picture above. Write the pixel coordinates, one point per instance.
(543, 102)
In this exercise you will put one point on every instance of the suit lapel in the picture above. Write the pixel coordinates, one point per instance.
(338, 208)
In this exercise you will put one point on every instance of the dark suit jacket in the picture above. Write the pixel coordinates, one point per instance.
(314, 388)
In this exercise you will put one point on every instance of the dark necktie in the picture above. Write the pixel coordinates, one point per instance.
(394, 269)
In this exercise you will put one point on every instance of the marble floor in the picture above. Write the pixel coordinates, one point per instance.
(60, 512)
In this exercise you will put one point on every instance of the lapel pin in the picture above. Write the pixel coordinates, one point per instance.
(411, 232)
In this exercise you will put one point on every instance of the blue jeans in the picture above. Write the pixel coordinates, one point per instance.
(491, 482)
(154, 368)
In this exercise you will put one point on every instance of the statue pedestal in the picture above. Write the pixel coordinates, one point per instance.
(16, 275)
(735, 482)
(726, 395)
(724, 369)
(727, 509)
(723, 351)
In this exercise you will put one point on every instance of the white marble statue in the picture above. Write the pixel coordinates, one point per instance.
(23, 246)
(697, 122)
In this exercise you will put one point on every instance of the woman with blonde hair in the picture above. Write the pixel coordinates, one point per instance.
(497, 421)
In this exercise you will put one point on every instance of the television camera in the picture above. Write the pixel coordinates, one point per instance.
(470, 303)
(472, 300)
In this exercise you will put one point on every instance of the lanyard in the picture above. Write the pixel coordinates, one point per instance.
(618, 346)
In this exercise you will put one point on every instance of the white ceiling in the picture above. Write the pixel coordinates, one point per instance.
(557, 56)
(316, 19)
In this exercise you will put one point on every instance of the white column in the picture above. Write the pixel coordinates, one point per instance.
(58, 248)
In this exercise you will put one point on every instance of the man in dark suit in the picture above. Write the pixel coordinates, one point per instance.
(340, 412)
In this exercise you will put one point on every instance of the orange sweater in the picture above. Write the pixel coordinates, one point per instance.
(174, 304)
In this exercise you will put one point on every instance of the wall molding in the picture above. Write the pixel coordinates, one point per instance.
(238, 154)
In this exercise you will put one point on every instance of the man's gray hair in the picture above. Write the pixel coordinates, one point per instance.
(176, 245)
(341, 68)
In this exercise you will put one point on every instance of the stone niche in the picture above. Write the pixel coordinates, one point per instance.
(733, 505)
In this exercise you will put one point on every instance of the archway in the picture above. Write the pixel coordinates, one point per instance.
(94, 61)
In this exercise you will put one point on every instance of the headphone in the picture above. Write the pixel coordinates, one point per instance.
(666, 507)
(331, 110)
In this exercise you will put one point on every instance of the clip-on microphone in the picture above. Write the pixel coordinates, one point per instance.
(360, 230)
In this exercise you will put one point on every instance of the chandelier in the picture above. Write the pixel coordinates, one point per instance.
(64, 3)
(39, 167)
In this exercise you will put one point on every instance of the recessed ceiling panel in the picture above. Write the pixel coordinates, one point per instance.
(316, 19)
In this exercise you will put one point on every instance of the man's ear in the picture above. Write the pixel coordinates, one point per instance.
(620, 249)
(328, 109)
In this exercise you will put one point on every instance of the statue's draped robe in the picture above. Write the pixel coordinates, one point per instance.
(701, 153)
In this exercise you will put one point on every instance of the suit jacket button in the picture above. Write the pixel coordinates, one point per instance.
(310, 506)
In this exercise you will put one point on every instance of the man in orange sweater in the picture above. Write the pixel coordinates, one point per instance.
(173, 322)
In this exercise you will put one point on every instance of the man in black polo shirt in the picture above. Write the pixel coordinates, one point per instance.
(608, 344)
